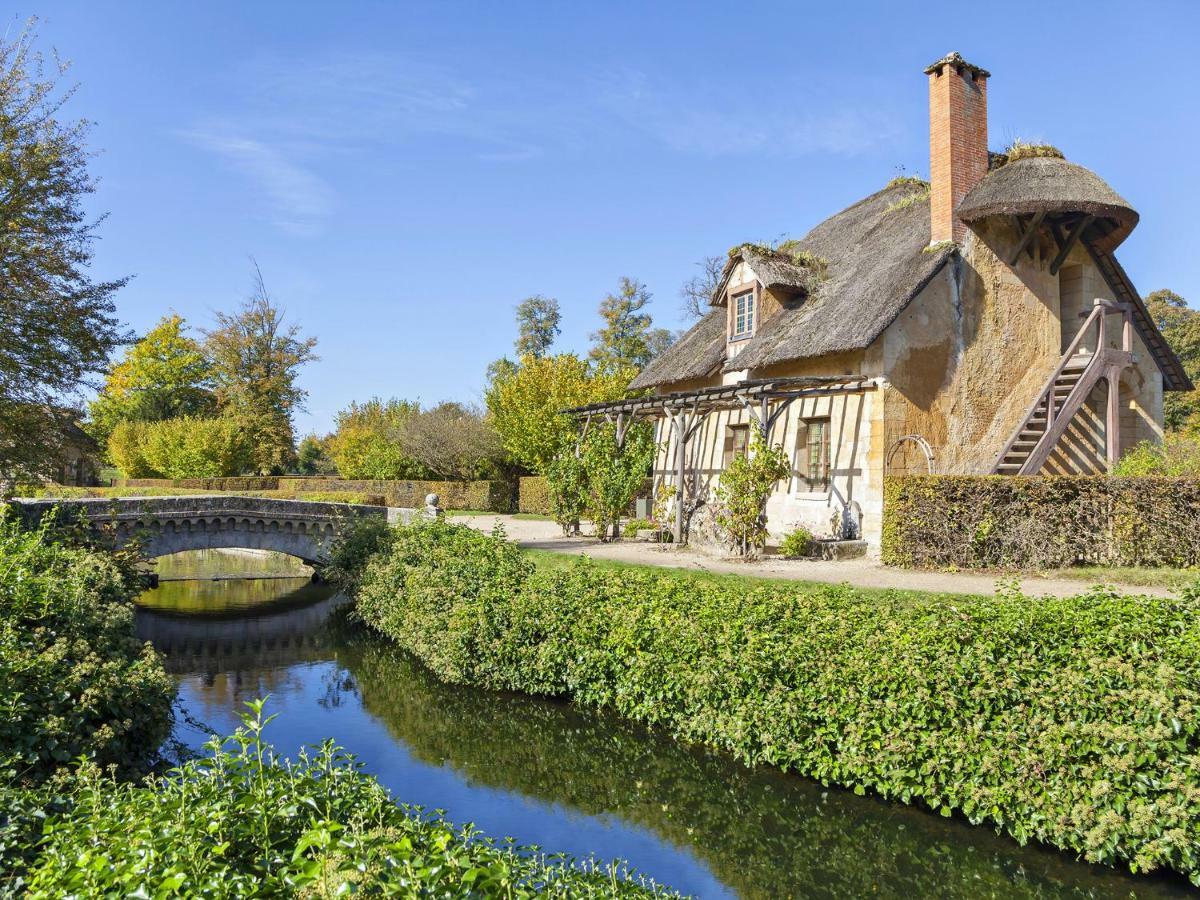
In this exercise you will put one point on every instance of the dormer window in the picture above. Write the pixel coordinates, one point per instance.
(743, 314)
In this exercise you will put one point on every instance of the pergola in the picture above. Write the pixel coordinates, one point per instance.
(765, 399)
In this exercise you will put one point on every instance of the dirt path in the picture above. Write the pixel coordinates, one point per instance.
(867, 573)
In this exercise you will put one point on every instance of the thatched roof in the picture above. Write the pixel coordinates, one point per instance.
(1050, 185)
(876, 262)
(776, 270)
(698, 353)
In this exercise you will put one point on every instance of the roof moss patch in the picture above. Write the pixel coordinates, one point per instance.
(1020, 149)
(788, 251)
(912, 180)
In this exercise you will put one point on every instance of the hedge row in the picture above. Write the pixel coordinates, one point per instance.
(938, 521)
(1067, 721)
(533, 495)
(234, 483)
(495, 496)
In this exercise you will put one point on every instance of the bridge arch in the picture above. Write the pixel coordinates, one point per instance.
(166, 525)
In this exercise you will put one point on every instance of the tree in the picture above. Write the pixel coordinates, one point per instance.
(188, 447)
(627, 341)
(743, 490)
(57, 325)
(312, 457)
(697, 291)
(256, 359)
(163, 376)
(1180, 325)
(615, 474)
(526, 404)
(455, 442)
(566, 480)
(369, 441)
(537, 325)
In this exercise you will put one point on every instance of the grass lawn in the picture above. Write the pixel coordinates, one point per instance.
(1147, 577)
(550, 559)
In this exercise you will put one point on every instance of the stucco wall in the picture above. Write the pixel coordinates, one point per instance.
(970, 354)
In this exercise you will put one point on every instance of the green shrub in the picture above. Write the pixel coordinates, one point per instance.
(939, 521)
(633, 526)
(796, 543)
(74, 679)
(567, 482)
(742, 494)
(126, 449)
(1176, 456)
(615, 475)
(190, 447)
(1066, 721)
(240, 823)
(533, 495)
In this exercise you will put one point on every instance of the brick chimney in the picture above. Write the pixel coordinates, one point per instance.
(958, 146)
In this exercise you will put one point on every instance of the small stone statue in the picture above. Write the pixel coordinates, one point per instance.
(432, 508)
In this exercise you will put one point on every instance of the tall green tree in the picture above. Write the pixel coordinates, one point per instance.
(526, 401)
(256, 358)
(57, 325)
(1180, 325)
(163, 376)
(627, 340)
(538, 318)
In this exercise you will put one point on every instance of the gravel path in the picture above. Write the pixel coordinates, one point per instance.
(867, 573)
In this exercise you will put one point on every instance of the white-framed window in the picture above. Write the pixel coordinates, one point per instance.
(743, 314)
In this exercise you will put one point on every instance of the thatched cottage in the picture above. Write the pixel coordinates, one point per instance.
(979, 323)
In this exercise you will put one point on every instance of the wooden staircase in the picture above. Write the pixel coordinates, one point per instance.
(1066, 390)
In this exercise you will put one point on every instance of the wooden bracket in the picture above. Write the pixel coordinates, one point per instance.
(1030, 231)
(1064, 247)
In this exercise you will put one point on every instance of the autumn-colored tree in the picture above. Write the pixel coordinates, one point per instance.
(454, 441)
(57, 325)
(162, 376)
(256, 358)
(526, 403)
(369, 441)
(1180, 325)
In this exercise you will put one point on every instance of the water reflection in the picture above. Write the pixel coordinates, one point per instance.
(550, 774)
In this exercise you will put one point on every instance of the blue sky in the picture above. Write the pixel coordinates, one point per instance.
(406, 173)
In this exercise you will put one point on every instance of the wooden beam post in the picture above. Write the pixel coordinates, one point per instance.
(1034, 224)
(1070, 242)
(1112, 427)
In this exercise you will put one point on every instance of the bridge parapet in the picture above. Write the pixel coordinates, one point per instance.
(164, 525)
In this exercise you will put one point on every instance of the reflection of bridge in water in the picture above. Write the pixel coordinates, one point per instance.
(290, 629)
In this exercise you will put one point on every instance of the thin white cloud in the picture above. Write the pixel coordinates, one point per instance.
(713, 121)
(298, 199)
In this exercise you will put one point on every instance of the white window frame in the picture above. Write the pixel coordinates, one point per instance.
(744, 307)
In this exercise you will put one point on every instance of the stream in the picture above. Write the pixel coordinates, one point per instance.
(547, 773)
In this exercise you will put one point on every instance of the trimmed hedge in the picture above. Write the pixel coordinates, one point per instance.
(936, 521)
(234, 483)
(533, 495)
(495, 496)
(1068, 721)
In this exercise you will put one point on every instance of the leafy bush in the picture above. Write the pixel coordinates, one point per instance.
(1177, 456)
(126, 449)
(240, 823)
(633, 526)
(533, 495)
(567, 490)
(796, 543)
(940, 521)
(189, 447)
(74, 680)
(1069, 721)
(742, 494)
(615, 475)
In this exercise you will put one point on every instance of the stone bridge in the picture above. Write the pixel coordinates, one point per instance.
(166, 525)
